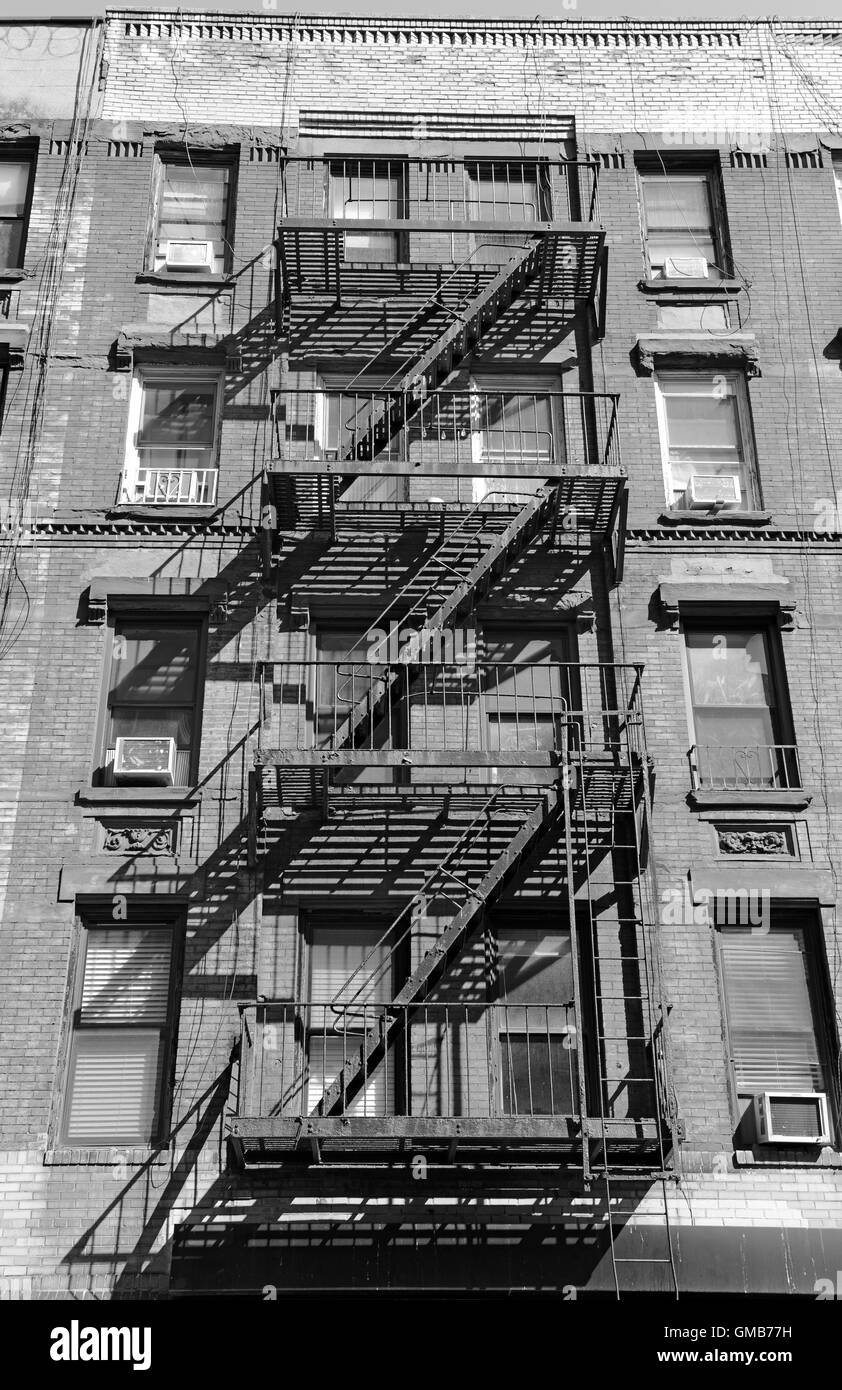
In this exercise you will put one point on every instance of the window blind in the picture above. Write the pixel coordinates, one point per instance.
(772, 1019)
(119, 1043)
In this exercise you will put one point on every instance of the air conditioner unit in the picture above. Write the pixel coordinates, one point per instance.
(706, 490)
(791, 1117)
(189, 255)
(686, 268)
(145, 760)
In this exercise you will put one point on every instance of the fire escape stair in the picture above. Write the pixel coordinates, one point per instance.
(439, 359)
(467, 592)
(357, 1069)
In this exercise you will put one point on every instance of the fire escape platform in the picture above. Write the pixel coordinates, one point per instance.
(303, 780)
(510, 1138)
(311, 253)
(303, 498)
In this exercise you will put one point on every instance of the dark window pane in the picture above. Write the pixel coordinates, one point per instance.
(11, 239)
(154, 665)
(177, 414)
(534, 965)
(538, 1074)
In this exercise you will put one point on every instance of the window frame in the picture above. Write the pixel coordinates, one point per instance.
(836, 166)
(184, 156)
(745, 425)
(20, 154)
(158, 372)
(133, 612)
(707, 168)
(400, 237)
(313, 921)
(522, 923)
(818, 985)
(744, 617)
(141, 918)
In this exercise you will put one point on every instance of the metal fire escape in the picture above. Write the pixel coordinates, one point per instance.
(584, 798)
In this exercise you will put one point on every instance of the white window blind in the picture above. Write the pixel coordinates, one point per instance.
(119, 1043)
(772, 1020)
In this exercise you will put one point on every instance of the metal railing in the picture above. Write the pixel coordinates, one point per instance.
(518, 192)
(470, 431)
(753, 767)
(170, 486)
(411, 703)
(444, 1059)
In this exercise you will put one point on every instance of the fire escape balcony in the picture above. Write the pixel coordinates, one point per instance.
(554, 771)
(467, 1075)
(363, 458)
(339, 731)
(352, 228)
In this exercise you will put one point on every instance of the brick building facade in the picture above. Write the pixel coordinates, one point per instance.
(544, 920)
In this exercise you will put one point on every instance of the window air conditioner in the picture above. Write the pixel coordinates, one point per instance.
(791, 1117)
(145, 760)
(189, 255)
(705, 490)
(685, 268)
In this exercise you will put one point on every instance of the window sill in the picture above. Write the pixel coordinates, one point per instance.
(122, 796)
(174, 279)
(106, 1156)
(762, 798)
(820, 1157)
(162, 511)
(707, 289)
(725, 516)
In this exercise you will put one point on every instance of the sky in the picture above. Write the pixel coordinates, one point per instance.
(457, 9)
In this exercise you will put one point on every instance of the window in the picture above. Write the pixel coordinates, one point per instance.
(529, 689)
(153, 689)
(194, 204)
(344, 684)
(172, 450)
(344, 427)
(774, 1004)
(536, 1024)
(683, 223)
(367, 190)
(506, 192)
(706, 435)
(122, 1039)
(514, 424)
(837, 178)
(353, 966)
(740, 728)
(15, 194)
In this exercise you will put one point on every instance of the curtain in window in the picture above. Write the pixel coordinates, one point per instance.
(679, 220)
(734, 714)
